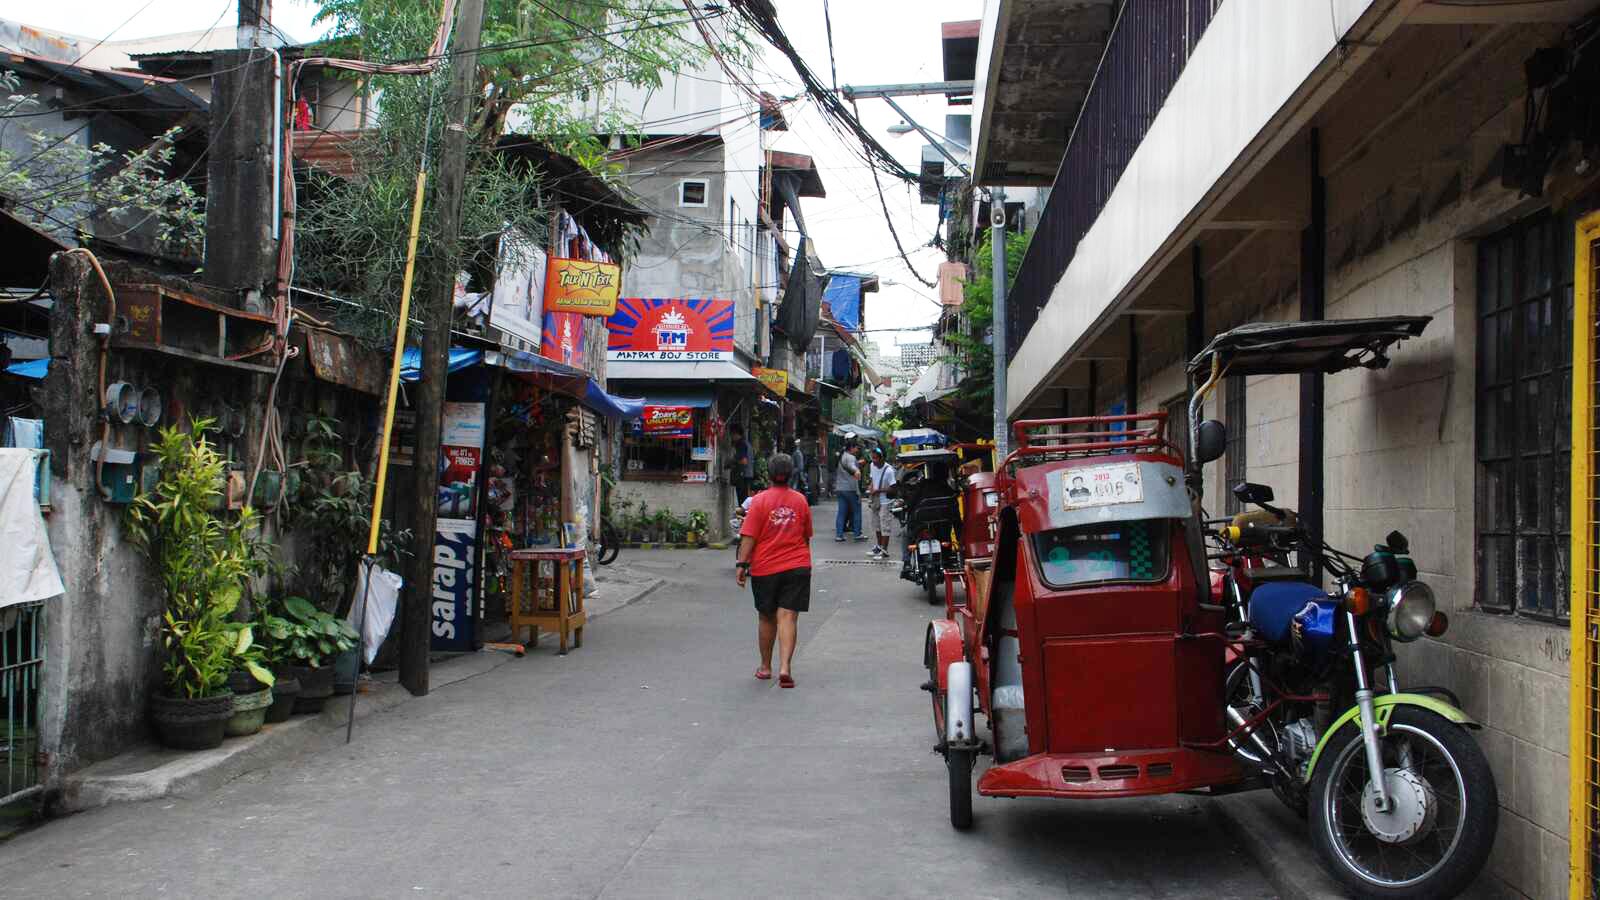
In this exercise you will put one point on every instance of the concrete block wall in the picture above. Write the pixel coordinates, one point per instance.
(678, 498)
(1405, 213)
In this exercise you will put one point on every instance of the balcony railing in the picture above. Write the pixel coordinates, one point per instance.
(1149, 46)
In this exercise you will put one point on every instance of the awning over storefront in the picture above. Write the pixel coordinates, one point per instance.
(652, 370)
(573, 382)
(693, 399)
(460, 358)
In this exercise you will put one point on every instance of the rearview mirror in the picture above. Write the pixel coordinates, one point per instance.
(1211, 441)
(1248, 492)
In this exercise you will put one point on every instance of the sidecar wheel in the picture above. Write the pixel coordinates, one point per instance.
(959, 762)
(1438, 836)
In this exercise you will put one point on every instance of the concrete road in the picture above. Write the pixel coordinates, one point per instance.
(648, 764)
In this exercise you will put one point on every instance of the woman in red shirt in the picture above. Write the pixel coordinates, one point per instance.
(775, 553)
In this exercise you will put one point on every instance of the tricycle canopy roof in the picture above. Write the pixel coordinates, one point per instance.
(934, 454)
(1332, 345)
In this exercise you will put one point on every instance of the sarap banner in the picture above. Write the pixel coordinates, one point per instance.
(649, 328)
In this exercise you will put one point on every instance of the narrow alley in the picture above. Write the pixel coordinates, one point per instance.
(647, 764)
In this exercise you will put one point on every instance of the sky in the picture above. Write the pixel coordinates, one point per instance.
(877, 42)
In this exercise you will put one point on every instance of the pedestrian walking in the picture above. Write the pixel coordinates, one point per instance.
(742, 469)
(847, 487)
(881, 482)
(775, 555)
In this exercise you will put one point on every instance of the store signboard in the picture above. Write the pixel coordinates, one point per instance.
(774, 380)
(700, 454)
(455, 541)
(517, 302)
(581, 286)
(563, 338)
(670, 330)
(693, 477)
(667, 421)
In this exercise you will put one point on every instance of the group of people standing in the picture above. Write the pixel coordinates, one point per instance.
(847, 486)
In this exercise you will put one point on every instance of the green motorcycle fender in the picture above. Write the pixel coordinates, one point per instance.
(1383, 708)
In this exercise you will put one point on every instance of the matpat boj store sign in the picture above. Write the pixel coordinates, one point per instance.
(670, 330)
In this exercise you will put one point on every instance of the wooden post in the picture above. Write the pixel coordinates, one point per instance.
(417, 615)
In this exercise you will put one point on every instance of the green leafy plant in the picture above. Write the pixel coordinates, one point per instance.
(202, 559)
(699, 522)
(333, 510)
(302, 634)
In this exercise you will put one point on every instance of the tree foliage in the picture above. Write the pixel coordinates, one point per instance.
(67, 187)
(540, 59)
(973, 342)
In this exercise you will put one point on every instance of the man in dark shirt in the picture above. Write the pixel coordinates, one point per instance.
(743, 468)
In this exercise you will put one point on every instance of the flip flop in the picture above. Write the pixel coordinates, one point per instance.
(785, 681)
(764, 674)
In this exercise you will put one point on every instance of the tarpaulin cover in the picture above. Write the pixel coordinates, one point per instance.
(580, 385)
(844, 299)
(33, 368)
(801, 309)
(27, 568)
(460, 358)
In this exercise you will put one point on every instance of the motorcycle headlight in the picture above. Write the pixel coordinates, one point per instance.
(1411, 609)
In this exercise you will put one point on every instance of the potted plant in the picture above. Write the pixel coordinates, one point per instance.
(311, 638)
(639, 528)
(699, 523)
(202, 559)
(251, 683)
(334, 509)
(663, 526)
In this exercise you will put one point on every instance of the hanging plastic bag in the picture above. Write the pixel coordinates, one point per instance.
(381, 603)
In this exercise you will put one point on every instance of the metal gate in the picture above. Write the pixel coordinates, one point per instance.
(1584, 705)
(21, 666)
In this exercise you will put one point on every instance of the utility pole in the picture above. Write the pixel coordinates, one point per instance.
(241, 254)
(997, 244)
(417, 617)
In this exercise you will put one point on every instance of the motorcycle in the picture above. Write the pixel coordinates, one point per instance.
(928, 514)
(1304, 683)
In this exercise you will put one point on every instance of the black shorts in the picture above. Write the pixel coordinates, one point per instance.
(789, 589)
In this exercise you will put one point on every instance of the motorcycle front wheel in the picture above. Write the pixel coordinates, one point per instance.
(1444, 809)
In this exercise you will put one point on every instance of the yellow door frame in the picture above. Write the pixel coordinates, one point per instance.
(1584, 749)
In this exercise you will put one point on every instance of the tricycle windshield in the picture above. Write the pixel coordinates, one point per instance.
(1132, 551)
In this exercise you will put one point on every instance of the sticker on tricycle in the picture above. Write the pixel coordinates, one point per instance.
(1102, 486)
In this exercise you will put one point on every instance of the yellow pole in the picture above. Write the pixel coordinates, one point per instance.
(1580, 709)
(394, 369)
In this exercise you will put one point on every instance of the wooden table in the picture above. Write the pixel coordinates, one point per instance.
(547, 592)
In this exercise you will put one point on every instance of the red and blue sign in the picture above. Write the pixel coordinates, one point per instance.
(562, 339)
(670, 329)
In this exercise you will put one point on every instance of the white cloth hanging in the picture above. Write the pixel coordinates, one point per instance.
(27, 568)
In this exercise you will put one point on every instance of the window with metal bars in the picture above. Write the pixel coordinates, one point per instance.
(1524, 447)
(1234, 413)
(647, 457)
(1178, 424)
